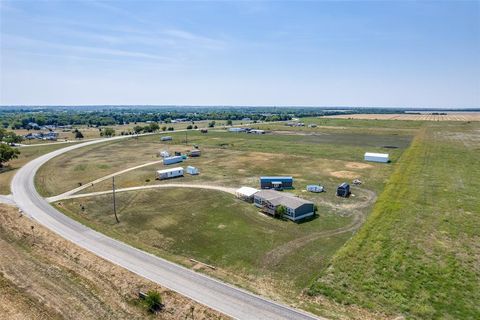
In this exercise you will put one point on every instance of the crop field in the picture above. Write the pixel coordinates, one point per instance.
(417, 255)
(450, 116)
(277, 258)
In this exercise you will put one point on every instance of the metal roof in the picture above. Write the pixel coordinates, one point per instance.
(276, 178)
(373, 154)
(282, 198)
(169, 170)
(246, 191)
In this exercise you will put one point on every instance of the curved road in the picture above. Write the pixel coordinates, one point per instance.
(231, 301)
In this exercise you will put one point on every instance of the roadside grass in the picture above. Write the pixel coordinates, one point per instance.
(214, 228)
(418, 255)
(26, 154)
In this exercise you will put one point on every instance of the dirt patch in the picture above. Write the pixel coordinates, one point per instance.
(358, 165)
(49, 273)
(344, 174)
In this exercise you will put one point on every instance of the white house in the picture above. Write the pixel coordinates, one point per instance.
(169, 173)
(245, 193)
(376, 157)
(192, 170)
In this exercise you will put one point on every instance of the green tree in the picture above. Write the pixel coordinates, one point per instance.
(78, 134)
(280, 211)
(189, 127)
(107, 132)
(7, 153)
(229, 122)
(164, 128)
(138, 129)
(195, 127)
(153, 301)
(154, 127)
(171, 128)
(211, 124)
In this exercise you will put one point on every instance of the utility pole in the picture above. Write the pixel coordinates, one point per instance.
(33, 234)
(114, 204)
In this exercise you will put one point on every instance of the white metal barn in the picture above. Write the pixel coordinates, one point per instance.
(376, 157)
(169, 173)
(192, 170)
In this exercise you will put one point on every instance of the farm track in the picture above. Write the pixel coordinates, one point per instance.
(274, 256)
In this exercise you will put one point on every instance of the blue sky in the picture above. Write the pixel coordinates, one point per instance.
(335, 53)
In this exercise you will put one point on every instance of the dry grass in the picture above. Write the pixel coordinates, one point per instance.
(450, 116)
(52, 278)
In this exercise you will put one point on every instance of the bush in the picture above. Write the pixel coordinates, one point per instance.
(153, 301)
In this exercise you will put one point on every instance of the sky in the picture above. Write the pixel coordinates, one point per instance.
(280, 53)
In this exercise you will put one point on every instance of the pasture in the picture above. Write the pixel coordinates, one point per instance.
(272, 257)
(417, 254)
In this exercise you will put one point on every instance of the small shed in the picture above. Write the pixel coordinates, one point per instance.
(166, 138)
(164, 154)
(169, 173)
(245, 193)
(315, 188)
(192, 170)
(376, 157)
(236, 130)
(343, 190)
(172, 160)
(195, 153)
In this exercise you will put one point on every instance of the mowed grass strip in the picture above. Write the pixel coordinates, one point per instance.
(215, 228)
(417, 254)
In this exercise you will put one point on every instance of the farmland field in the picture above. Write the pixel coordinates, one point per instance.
(418, 254)
(449, 116)
(277, 258)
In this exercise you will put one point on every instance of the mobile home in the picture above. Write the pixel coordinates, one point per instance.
(172, 160)
(169, 173)
(166, 138)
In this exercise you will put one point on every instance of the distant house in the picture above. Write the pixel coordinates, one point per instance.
(315, 188)
(172, 160)
(313, 125)
(255, 131)
(376, 157)
(169, 173)
(343, 190)
(204, 130)
(276, 183)
(166, 138)
(192, 170)
(246, 193)
(164, 154)
(296, 208)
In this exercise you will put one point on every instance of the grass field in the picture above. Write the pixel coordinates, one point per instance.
(26, 154)
(276, 258)
(215, 228)
(418, 254)
(229, 159)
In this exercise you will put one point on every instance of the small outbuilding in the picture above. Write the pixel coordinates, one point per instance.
(195, 153)
(315, 188)
(169, 173)
(166, 138)
(246, 193)
(192, 170)
(277, 183)
(376, 157)
(164, 154)
(172, 160)
(256, 131)
(343, 190)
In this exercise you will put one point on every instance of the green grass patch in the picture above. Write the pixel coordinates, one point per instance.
(417, 254)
